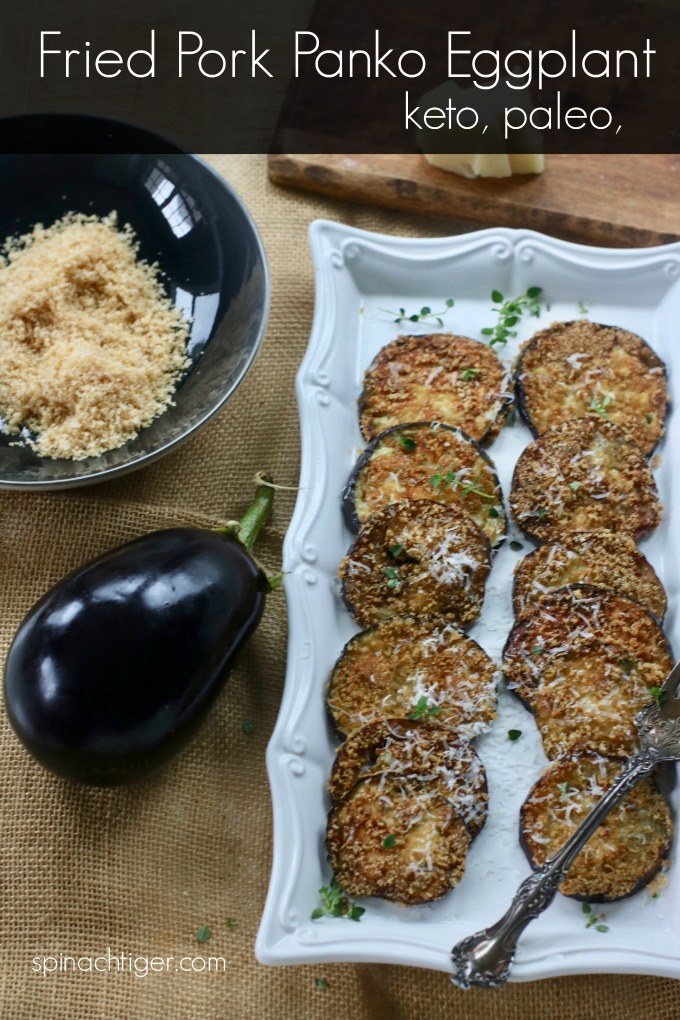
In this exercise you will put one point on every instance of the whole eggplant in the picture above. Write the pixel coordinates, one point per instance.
(114, 668)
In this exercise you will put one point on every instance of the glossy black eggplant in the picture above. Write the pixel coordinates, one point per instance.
(113, 670)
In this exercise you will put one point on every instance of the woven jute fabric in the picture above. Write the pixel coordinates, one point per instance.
(91, 874)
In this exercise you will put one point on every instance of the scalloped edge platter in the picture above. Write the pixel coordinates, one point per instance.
(358, 276)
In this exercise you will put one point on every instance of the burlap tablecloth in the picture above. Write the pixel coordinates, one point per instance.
(137, 870)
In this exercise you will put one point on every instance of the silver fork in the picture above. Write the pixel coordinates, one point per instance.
(486, 959)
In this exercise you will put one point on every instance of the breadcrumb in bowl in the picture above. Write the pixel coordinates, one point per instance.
(181, 300)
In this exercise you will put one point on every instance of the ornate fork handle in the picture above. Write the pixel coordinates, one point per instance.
(486, 958)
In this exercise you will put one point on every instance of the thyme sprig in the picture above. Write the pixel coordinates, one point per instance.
(424, 315)
(421, 710)
(334, 903)
(592, 920)
(600, 405)
(510, 312)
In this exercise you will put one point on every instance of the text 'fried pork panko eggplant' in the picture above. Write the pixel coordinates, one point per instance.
(440, 377)
(413, 664)
(588, 698)
(419, 558)
(420, 752)
(581, 368)
(588, 557)
(426, 460)
(398, 840)
(584, 475)
(623, 855)
(580, 613)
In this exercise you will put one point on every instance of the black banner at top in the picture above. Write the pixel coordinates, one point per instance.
(590, 76)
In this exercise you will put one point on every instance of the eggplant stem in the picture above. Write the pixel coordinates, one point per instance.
(248, 528)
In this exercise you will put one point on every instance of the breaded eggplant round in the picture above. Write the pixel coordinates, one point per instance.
(582, 369)
(419, 558)
(623, 855)
(581, 614)
(440, 377)
(397, 840)
(588, 698)
(420, 752)
(584, 475)
(426, 460)
(588, 557)
(420, 666)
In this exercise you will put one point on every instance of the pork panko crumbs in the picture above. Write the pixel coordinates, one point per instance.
(91, 348)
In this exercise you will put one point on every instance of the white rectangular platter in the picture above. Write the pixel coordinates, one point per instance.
(358, 276)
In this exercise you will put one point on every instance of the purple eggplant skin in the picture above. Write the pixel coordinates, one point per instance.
(114, 669)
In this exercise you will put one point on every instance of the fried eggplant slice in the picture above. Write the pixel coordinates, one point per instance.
(413, 666)
(588, 557)
(440, 377)
(419, 752)
(623, 855)
(580, 613)
(582, 369)
(397, 840)
(426, 460)
(588, 698)
(584, 475)
(419, 558)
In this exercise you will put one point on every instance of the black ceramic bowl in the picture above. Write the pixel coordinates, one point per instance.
(189, 221)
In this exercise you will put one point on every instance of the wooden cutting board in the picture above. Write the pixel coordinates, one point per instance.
(612, 200)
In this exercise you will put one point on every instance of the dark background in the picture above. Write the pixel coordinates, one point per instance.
(311, 113)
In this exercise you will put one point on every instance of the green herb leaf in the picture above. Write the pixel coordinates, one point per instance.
(657, 694)
(231, 923)
(574, 486)
(421, 710)
(470, 373)
(542, 511)
(516, 546)
(582, 308)
(355, 912)
(538, 649)
(202, 933)
(396, 550)
(389, 841)
(514, 734)
(493, 512)
(407, 444)
(248, 726)
(564, 788)
(600, 405)
(496, 297)
(321, 984)
(392, 577)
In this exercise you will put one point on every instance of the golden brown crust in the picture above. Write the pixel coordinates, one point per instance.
(426, 460)
(583, 369)
(580, 613)
(419, 752)
(588, 698)
(624, 853)
(440, 377)
(584, 475)
(405, 662)
(588, 557)
(416, 557)
(397, 840)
